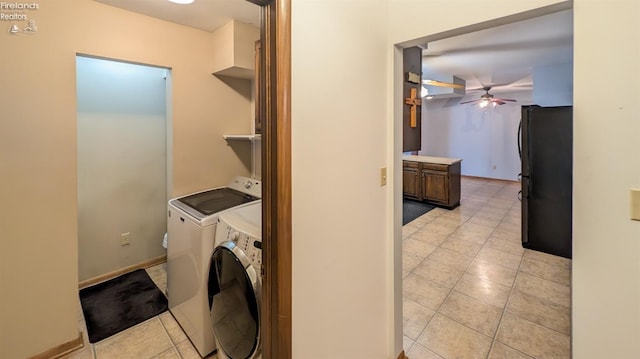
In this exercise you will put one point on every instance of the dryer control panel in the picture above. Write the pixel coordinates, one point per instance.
(243, 227)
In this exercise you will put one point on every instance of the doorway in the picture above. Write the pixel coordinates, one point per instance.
(490, 229)
(122, 165)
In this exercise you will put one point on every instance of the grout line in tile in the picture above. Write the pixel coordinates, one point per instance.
(536, 323)
(551, 281)
(464, 325)
(407, 350)
(512, 348)
(166, 332)
(549, 264)
(504, 310)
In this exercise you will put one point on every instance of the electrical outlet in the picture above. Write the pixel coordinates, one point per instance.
(125, 239)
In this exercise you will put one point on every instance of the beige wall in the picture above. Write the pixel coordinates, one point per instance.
(606, 244)
(339, 144)
(38, 261)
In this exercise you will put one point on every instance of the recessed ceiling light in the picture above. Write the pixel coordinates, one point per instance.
(182, 1)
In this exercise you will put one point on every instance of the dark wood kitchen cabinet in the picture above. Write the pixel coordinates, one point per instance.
(434, 180)
(411, 179)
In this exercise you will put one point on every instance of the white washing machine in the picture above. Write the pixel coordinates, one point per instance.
(191, 222)
(235, 283)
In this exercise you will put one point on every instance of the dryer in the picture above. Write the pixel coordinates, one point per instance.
(191, 223)
(235, 283)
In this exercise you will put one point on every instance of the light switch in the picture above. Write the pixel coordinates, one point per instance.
(383, 176)
(635, 203)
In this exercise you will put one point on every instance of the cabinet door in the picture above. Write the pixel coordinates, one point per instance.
(411, 180)
(435, 186)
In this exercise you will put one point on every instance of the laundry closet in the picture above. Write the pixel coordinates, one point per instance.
(214, 253)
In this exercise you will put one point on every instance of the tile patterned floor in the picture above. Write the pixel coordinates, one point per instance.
(470, 289)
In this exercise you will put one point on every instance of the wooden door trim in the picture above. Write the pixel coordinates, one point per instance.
(283, 254)
(275, 107)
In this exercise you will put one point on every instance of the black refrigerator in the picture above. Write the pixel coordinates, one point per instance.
(546, 152)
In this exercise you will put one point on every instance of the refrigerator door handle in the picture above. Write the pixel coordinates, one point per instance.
(519, 140)
(520, 191)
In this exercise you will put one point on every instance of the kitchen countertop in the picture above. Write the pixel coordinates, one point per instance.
(430, 159)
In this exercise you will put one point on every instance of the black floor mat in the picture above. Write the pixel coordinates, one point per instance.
(120, 303)
(413, 209)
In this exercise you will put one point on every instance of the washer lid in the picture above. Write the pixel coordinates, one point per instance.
(235, 308)
(216, 200)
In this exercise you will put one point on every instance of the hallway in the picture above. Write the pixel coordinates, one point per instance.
(471, 291)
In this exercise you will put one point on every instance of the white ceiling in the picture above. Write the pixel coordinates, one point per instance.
(206, 15)
(502, 56)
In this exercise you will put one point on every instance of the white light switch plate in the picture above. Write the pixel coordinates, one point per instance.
(634, 196)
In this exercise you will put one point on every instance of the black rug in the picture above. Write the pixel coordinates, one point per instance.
(120, 303)
(413, 209)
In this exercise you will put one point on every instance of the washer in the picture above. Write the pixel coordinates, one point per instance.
(235, 283)
(191, 223)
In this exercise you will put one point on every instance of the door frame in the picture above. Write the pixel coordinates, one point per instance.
(274, 105)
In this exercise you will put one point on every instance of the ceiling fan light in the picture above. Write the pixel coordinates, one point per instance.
(484, 103)
(494, 104)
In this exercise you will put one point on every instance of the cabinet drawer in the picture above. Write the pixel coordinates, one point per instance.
(435, 167)
(410, 164)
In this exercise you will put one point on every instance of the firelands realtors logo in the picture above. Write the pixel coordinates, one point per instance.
(19, 15)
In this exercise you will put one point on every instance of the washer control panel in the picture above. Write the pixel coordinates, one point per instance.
(247, 185)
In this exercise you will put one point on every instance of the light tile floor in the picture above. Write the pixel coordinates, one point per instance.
(471, 290)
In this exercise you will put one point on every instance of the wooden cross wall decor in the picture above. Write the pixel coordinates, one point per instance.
(414, 102)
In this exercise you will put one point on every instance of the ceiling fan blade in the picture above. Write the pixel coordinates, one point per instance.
(506, 99)
(498, 101)
(476, 89)
(501, 85)
(442, 84)
(462, 103)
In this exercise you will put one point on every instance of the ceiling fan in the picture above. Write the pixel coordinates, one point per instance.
(488, 98)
